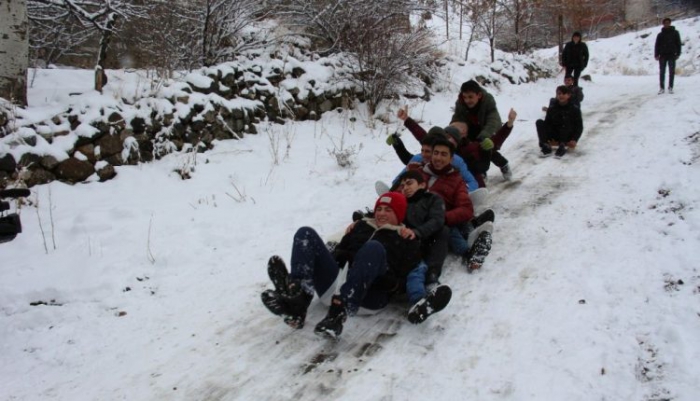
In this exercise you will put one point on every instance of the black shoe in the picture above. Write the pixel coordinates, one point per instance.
(487, 215)
(432, 277)
(332, 325)
(546, 149)
(288, 299)
(561, 150)
(434, 302)
(277, 271)
(478, 252)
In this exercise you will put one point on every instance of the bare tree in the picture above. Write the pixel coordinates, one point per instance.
(14, 47)
(388, 56)
(223, 27)
(94, 16)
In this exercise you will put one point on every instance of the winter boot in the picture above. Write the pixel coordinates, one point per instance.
(507, 172)
(561, 150)
(288, 299)
(478, 252)
(332, 325)
(434, 302)
(546, 149)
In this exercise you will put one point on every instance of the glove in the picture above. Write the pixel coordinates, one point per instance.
(392, 139)
(487, 144)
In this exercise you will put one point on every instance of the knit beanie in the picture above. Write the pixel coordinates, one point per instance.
(436, 131)
(396, 201)
(454, 133)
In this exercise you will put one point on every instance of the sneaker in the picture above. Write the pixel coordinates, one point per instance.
(332, 325)
(561, 150)
(661, 91)
(546, 149)
(670, 91)
(479, 251)
(434, 302)
(507, 173)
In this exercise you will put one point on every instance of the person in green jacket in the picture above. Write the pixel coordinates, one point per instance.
(476, 108)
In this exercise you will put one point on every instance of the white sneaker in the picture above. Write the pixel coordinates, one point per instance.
(661, 91)
(507, 173)
(670, 91)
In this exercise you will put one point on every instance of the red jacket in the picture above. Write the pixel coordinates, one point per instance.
(450, 186)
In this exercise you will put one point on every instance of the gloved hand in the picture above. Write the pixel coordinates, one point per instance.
(392, 139)
(486, 144)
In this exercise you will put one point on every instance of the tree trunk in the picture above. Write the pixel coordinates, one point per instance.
(14, 50)
(100, 75)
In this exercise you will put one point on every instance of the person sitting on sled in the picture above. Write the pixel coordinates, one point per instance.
(366, 269)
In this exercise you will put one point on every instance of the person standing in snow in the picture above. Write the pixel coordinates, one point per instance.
(476, 108)
(367, 267)
(667, 50)
(574, 58)
(563, 124)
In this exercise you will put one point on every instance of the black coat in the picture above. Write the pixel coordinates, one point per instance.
(668, 43)
(575, 55)
(425, 214)
(565, 121)
(402, 255)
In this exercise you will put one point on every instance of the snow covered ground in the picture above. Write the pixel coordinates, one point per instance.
(149, 285)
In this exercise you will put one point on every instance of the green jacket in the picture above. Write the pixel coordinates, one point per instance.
(489, 119)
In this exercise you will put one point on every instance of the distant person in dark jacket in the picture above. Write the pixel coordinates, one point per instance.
(667, 50)
(563, 123)
(575, 57)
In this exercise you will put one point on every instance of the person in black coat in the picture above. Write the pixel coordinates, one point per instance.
(667, 50)
(563, 123)
(575, 57)
(425, 218)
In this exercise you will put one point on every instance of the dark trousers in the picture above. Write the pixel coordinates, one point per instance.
(434, 250)
(498, 159)
(574, 72)
(671, 62)
(317, 270)
(545, 133)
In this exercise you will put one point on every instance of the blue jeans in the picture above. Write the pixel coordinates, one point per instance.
(671, 62)
(317, 270)
(458, 238)
(415, 283)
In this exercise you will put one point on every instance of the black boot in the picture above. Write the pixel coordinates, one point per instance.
(478, 252)
(332, 325)
(288, 299)
(434, 302)
(486, 215)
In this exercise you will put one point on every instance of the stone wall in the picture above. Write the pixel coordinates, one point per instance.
(219, 103)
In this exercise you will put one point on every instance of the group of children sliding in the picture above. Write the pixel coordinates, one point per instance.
(398, 249)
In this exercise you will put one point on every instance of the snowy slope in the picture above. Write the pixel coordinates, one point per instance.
(591, 292)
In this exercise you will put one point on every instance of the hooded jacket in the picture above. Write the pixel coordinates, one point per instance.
(668, 43)
(488, 119)
(575, 55)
